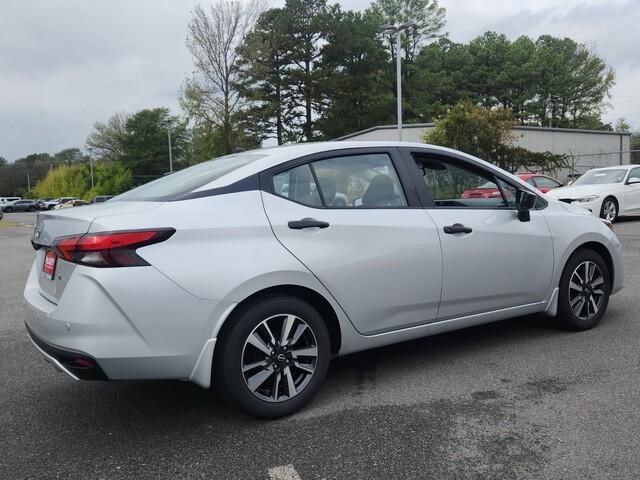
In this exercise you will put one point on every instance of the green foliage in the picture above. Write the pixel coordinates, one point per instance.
(427, 16)
(140, 141)
(487, 134)
(75, 181)
(635, 145)
(72, 181)
(622, 126)
(357, 90)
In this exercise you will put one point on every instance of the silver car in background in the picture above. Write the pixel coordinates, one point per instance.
(251, 271)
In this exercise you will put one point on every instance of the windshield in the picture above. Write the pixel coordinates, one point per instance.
(186, 181)
(596, 177)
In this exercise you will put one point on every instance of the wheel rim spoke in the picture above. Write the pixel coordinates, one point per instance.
(257, 342)
(286, 329)
(254, 365)
(291, 386)
(298, 333)
(305, 352)
(259, 378)
(574, 286)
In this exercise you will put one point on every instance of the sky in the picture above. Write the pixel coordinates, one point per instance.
(66, 64)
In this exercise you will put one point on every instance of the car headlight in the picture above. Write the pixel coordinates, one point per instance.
(590, 198)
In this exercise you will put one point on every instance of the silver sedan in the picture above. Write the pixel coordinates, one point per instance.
(249, 272)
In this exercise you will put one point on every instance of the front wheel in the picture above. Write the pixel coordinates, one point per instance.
(274, 357)
(584, 291)
(32, 209)
(8, 209)
(609, 210)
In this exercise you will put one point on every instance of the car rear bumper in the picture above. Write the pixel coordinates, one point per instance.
(78, 365)
(147, 329)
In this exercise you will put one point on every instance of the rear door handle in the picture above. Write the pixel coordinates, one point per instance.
(457, 228)
(307, 223)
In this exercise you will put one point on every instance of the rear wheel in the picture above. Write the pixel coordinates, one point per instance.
(274, 358)
(584, 291)
(609, 209)
(32, 208)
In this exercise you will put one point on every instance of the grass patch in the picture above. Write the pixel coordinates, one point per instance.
(4, 223)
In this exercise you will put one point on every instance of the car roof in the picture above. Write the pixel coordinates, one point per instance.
(273, 156)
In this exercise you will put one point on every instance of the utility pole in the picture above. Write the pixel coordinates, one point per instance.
(91, 164)
(397, 30)
(170, 153)
(28, 182)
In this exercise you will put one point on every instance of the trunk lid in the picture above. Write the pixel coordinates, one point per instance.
(51, 225)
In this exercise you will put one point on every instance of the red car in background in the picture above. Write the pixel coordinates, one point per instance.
(490, 190)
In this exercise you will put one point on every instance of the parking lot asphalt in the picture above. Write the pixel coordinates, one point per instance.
(513, 399)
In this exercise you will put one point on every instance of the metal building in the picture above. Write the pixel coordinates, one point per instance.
(586, 148)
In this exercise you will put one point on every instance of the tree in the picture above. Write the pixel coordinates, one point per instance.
(107, 138)
(622, 126)
(357, 91)
(3, 162)
(69, 156)
(263, 78)
(427, 17)
(573, 83)
(140, 141)
(308, 25)
(75, 181)
(635, 145)
(144, 145)
(487, 134)
(210, 96)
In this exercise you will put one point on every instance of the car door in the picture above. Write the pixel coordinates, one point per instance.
(347, 216)
(491, 260)
(631, 194)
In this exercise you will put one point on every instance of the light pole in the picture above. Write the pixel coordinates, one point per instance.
(397, 30)
(170, 153)
(91, 165)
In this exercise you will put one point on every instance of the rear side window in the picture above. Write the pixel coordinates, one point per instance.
(186, 181)
(354, 181)
(298, 185)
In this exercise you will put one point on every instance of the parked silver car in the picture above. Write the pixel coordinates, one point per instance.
(251, 271)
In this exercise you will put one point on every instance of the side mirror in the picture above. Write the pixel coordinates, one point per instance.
(525, 201)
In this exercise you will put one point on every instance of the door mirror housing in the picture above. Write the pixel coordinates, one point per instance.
(525, 201)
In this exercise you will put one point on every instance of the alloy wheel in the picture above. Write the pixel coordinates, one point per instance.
(586, 290)
(279, 358)
(610, 210)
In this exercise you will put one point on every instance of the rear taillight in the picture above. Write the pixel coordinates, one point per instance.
(109, 249)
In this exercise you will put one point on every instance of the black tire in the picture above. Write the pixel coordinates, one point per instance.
(229, 358)
(605, 208)
(32, 209)
(8, 210)
(568, 294)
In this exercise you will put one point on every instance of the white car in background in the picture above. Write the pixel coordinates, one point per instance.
(607, 192)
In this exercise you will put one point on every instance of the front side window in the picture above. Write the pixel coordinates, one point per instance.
(453, 185)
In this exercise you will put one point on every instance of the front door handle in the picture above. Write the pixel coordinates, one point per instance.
(307, 223)
(457, 228)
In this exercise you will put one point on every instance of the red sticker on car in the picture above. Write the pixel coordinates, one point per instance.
(49, 267)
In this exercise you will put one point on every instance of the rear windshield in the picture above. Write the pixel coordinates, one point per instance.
(186, 181)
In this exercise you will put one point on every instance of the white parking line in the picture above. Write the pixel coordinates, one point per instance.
(283, 472)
